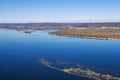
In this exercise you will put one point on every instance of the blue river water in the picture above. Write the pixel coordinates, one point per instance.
(19, 54)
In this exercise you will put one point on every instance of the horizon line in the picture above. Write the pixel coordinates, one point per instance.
(59, 22)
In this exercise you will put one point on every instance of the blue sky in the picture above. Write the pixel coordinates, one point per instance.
(59, 10)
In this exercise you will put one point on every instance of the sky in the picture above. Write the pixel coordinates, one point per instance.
(22, 11)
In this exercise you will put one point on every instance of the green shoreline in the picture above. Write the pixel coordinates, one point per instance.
(80, 72)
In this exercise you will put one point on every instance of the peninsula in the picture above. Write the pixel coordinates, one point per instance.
(98, 33)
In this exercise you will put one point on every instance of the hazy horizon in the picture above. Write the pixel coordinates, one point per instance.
(59, 11)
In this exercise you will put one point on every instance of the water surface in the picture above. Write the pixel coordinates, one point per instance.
(19, 53)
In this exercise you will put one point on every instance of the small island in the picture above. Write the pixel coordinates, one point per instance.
(79, 71)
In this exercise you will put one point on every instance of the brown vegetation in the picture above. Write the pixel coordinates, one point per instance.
(103, 33)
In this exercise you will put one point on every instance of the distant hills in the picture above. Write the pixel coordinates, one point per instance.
(102, 24)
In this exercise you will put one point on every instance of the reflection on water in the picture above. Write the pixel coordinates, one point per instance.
(19, 53)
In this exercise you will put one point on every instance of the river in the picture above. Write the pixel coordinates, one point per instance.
(19, 54)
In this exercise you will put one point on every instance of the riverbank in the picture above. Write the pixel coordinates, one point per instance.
(110, 33)
(96, 33)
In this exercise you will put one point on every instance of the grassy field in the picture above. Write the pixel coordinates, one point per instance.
(102, 33)
(90, 74)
